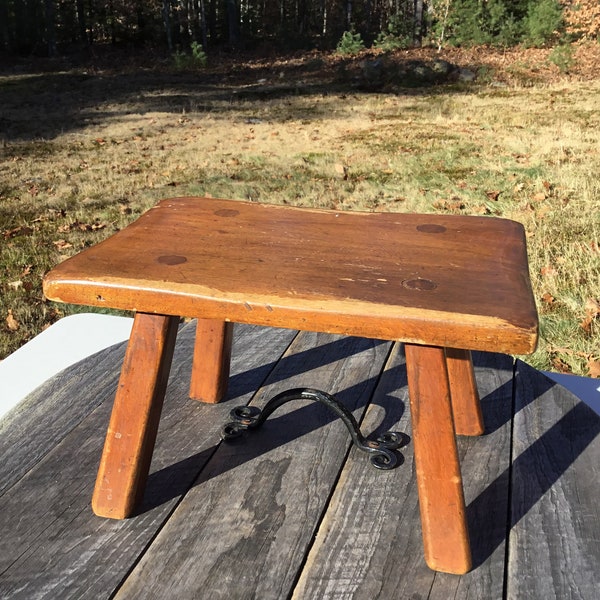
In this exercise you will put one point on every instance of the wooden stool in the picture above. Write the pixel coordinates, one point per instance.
(444, 285)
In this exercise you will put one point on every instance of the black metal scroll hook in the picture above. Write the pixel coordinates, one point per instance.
(381, 449)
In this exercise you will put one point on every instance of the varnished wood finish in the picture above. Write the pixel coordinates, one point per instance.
(135, 416)
(441, 498)
(451, 281)
(432, 281)
(466, 409)
(212, 355)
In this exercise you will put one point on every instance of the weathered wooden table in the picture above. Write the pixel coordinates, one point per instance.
(293, 510)
(444, 285)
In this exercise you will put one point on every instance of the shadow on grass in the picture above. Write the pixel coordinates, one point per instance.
(44, 105)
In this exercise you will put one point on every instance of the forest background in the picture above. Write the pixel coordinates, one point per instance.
(49, 27)
(485, 107)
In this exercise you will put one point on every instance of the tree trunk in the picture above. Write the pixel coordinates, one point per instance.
(233, 22)
(418, 23)
(203, 30)
(166, 14)
(212, 21)
(82, 23)
(50, 18)
(5, 37)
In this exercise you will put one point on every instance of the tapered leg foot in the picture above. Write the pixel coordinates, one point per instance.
(439, 481)
(212, 357)
(135, 416)
(466, 408)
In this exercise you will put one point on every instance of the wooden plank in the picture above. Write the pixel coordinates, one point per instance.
(52, 546)
(48, 414)
(554, 547)
(369, 543)
(244, 528)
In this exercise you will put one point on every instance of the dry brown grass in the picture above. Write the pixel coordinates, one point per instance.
(85, 154)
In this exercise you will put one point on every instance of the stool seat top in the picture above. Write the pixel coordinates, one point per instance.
(444, 280)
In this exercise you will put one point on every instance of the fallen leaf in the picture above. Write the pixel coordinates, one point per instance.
(592, 307)
(558, 364)
(493, 195)
(539, 197)
(15, 285)
(11, 322)
(452, 205)
(592, 311)
(594, 368)
(23, 230)
(62, 244)
(548, 298)
(548, 271)
(341, 170)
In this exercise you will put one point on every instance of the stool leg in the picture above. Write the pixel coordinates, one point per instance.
(212, 356)
(466, 408)
(439, 481)
(134, 420)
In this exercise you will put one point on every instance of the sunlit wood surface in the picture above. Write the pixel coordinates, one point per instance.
(445, 280)
(287, 511)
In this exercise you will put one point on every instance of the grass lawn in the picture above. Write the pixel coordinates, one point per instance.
(84, 152)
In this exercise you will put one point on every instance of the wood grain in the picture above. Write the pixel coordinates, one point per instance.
(135, 416)
(554, 548)
(38, 423)
(447, 280)
(52, 545)
(243, 530)
(466, 409)
(212, 356)
(369, 543)
(367, 540)
(439, 480)
(485, 462)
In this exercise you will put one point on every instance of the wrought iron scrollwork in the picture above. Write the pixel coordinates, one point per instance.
(380, 449)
